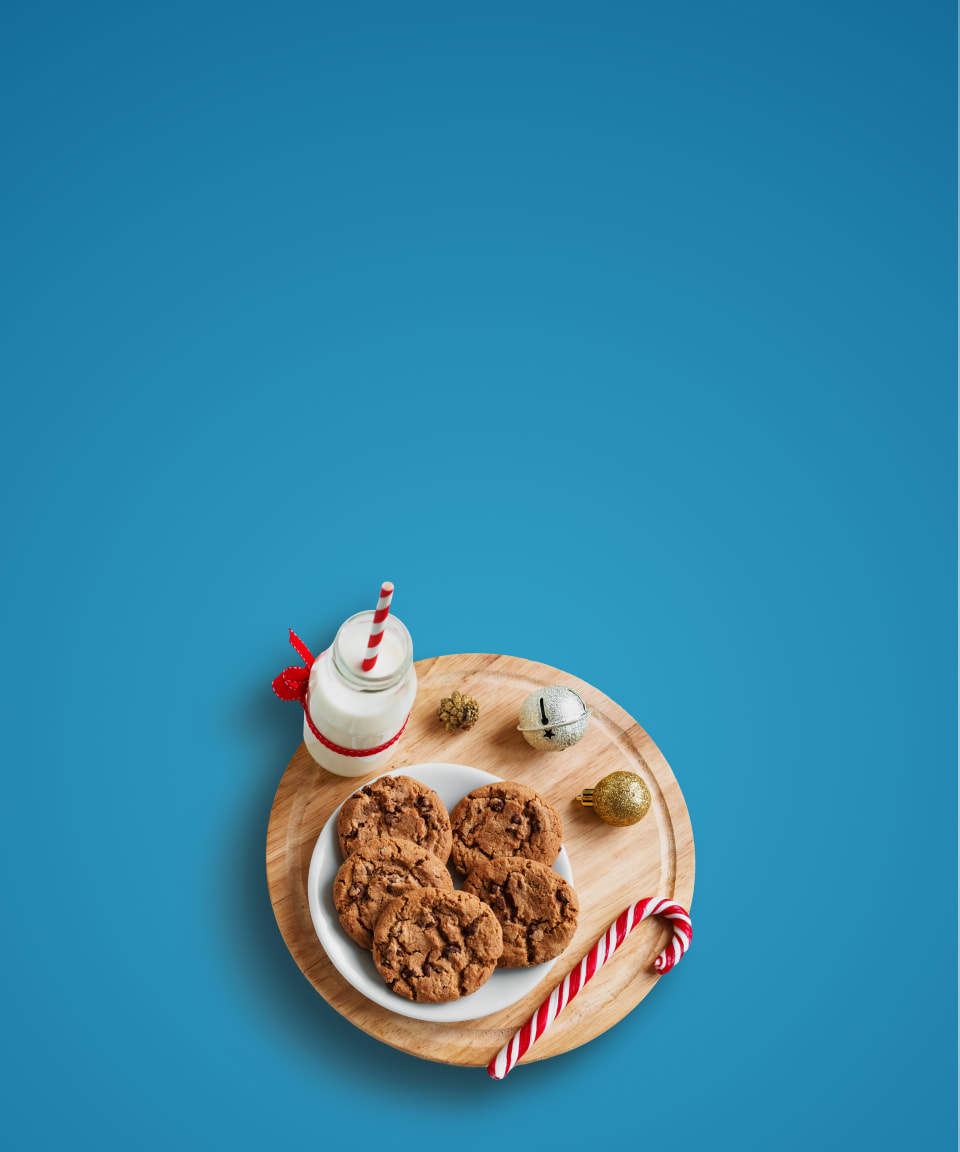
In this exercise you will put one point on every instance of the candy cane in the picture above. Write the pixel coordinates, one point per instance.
(598, 955)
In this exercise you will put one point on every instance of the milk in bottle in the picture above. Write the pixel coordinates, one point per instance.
(357, 711)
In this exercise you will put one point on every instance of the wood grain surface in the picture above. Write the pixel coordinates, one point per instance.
(612, 867)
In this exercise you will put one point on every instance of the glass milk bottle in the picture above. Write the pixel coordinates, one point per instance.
(349, 710)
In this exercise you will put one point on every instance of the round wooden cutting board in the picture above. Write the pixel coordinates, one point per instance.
(612, 867)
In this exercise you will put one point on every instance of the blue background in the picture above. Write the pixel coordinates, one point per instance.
(620, 337)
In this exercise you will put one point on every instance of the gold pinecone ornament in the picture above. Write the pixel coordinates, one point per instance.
(458, 711)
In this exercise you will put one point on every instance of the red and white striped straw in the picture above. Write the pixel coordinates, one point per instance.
(376, 630)
(598, 955)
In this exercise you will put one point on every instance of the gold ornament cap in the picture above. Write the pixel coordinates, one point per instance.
(620, 799)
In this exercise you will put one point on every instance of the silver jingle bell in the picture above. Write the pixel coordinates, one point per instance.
(553, 718)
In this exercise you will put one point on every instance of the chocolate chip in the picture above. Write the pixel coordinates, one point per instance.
(499, 902)
(470, 930)
(535, 826)
(514, 819)
(563, 898)
(497, 805)
(452, 949)
(391, 818)
(367, 791)
(424, 804)
(357, 892)
(427, 968)
(407, 973)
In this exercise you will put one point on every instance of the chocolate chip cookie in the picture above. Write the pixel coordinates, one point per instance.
(396, 806)
(537, 909)
(375, 874)
(504, 819)
(432, 946)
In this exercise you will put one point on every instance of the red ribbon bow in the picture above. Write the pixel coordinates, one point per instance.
(292, 682)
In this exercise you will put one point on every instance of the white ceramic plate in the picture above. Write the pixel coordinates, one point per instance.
(451, 782)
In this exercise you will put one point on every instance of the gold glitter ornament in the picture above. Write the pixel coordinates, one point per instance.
(619, 799)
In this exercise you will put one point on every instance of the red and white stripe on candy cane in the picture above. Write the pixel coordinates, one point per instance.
(376, 629)
(599, 954)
